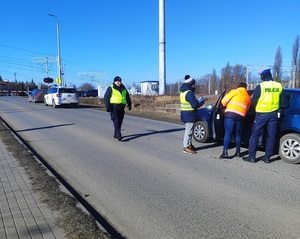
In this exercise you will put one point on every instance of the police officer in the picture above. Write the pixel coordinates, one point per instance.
(266, 100)
(116, 98)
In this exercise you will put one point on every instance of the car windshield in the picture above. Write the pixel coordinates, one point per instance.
(67, 90)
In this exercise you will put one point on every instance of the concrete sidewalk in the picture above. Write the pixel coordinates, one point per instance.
(21, 214)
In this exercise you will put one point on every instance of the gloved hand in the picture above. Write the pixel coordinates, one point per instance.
(129, 107)
(109, 108)
(202, 99)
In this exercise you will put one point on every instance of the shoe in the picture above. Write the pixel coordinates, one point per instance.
(224, 155)
(188, 151)
(249, 159)
(120, 138)
(266, 160)
(192, 147)
(237, 154)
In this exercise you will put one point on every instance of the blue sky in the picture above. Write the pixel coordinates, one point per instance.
(120, 37)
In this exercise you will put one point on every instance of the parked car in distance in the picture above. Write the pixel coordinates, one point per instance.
(79, 92)
(90, 93)
(60, 95)
(210, 125)
(37, 95)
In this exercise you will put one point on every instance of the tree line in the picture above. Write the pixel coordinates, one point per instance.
(231, 76)
(212, 83)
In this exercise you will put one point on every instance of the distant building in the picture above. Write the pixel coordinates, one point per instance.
(101, 91)
(4, 88)
(149, 87)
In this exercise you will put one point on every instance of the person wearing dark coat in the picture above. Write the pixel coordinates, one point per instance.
(188, 111)
(116, 98)
(266, 100)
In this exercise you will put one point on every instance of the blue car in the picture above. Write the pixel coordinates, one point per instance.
(210, 125)
(90, 93)
(37, 95)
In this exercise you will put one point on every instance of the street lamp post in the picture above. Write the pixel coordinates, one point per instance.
(58, 49)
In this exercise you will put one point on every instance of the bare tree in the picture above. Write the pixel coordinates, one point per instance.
(226, 77)
(277, 71)
(213, 82)
(86, 86)
(239, 74)
(232, 76)
(295, 80)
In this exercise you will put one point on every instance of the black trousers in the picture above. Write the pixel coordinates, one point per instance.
(117, 116)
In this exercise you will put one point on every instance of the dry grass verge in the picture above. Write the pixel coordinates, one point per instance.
(75, 223)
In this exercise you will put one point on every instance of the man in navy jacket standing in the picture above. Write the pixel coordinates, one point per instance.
(188, 111)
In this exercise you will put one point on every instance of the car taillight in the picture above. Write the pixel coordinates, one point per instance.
(58, 95)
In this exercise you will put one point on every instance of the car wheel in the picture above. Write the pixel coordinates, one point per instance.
(53, 104)
(200, 132)
(45, 102)
(289, 148)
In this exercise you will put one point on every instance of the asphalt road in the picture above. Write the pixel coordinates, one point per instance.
(147, 188)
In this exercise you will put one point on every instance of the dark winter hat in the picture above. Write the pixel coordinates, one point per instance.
(189, 80)
(117, 78)
(243, 84)
(265, 73)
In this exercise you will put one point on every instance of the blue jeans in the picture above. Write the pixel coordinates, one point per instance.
(232, 126)
(261, 121)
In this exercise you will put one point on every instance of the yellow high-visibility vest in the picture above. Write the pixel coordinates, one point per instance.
(184, 104)
(117, 97)
(269, 99)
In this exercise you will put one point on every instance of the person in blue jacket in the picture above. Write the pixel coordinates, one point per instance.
(188, 111)
(266, 100)
(116, 98)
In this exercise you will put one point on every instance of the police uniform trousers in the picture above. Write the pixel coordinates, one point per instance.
(262, 120)
(117, 116)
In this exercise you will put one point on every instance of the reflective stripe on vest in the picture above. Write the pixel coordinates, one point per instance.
(237, 101)
(269, 99)
(184, 104)
(117, 97)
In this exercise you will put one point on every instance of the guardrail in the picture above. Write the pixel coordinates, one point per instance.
(169, 108)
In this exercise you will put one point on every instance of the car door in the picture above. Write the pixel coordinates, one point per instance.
(217, 118)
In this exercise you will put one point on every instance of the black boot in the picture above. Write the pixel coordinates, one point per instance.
(237, 153)
(224, 155)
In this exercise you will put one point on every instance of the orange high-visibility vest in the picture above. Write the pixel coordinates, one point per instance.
(237, 101)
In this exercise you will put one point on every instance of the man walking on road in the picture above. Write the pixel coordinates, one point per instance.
(266, 100)
(116, 98)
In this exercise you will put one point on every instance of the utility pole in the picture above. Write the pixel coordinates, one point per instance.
(59, 67)
(209, 84)
(45, 60)
(162, 50)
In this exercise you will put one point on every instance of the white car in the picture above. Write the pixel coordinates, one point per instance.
(60, 95)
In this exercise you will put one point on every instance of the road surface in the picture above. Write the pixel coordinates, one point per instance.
(148, 188)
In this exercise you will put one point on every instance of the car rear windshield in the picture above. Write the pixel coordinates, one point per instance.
(67, 90)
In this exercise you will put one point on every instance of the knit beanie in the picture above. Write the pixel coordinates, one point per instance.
(189, 80)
